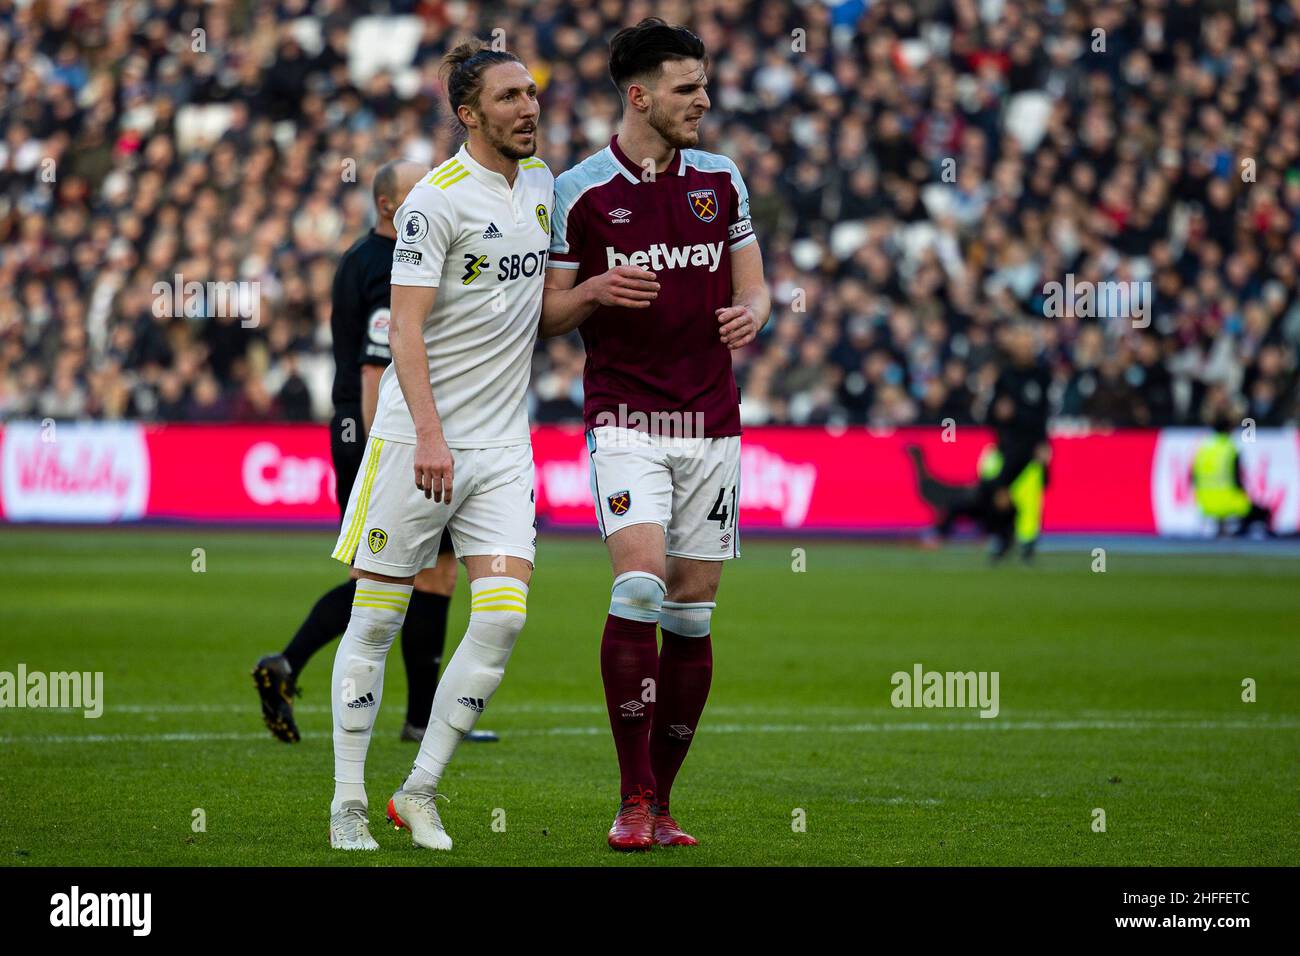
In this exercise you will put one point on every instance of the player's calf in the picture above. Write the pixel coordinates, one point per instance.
(358, 681)
(498, 611)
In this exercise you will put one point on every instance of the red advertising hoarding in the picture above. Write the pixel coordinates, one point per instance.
(792, 479)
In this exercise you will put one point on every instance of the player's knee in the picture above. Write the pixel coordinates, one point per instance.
(637, 596)
(687, 618)
(378, 609)
(498, 610)
(497, 628)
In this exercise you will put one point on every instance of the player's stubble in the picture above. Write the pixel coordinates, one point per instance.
(678, 131)
(502, 137)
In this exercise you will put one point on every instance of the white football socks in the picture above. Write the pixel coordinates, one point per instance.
(498, 609)
(357, 685)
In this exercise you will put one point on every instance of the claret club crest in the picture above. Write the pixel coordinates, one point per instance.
(704, 203)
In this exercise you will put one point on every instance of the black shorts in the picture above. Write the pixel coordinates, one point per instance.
(347, 457)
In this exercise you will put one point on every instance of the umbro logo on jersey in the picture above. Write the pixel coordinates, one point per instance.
(492, 232)
(473, 703)
(680, 731)
(633, 708)
(361, 702)
(620, 215)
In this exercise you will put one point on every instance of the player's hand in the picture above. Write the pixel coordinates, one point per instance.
(625, 287)
(433, 467)
(738, 326)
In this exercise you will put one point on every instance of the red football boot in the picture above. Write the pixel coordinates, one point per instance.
(634, 826)
(667, 830)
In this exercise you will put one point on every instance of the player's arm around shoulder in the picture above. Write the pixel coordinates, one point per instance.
(566, 303)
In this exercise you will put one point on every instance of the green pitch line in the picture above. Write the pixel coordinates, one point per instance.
(1119, 692)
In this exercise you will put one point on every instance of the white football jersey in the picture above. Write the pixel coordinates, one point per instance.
(482, 244)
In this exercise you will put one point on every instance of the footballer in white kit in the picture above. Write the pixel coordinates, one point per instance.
(450, 444)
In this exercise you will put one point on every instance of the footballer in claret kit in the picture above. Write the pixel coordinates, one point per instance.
(654, 260)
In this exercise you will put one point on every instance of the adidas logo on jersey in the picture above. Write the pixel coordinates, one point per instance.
(492, 232)
(367, 701)
(473, 703)
(662, 256)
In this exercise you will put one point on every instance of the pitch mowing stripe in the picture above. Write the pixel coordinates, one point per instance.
(920, 727)
(1156, 717)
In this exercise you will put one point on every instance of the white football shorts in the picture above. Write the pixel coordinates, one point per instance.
(391, 528)
(688, 486)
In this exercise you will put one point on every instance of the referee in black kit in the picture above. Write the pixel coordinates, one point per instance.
(359, 323)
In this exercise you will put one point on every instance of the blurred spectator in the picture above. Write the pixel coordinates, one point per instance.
(918, 176)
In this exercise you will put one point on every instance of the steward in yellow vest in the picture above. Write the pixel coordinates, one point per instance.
(1216, 480)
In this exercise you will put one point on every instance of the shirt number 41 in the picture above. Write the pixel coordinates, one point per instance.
(719, 512)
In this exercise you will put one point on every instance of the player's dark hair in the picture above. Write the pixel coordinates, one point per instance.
(462, 73)
(639, 52)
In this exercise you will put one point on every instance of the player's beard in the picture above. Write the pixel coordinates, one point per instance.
(501, 138)
(674, 132)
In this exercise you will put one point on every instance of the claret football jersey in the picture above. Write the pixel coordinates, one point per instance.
(682, 224)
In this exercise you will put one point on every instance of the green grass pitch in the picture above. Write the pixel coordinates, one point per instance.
(1119, 691)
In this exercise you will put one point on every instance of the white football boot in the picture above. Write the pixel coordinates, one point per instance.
(414, 810)
(350, 828)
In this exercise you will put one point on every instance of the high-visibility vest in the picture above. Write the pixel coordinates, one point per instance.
(1214, 477)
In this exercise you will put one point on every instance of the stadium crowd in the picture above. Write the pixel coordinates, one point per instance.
(919, 172)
